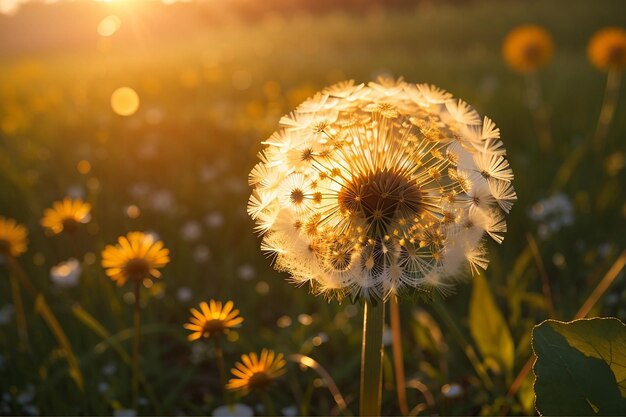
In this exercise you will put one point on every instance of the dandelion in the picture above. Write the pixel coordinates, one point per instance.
(212, 319)
(607, 49)
(368, 191)
(527, 48)
(137, 257)
(398, 188)
(13, 238)
(607, 52)
(256, 372)
(66, 216)
(13, 242)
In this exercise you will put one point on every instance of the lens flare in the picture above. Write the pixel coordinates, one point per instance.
(125, 101)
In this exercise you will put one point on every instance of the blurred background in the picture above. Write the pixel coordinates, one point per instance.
(209, 81)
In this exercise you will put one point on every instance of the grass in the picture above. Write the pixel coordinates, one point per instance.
(207, 101)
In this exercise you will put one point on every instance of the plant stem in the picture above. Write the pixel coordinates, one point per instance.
(372, 358)
(136, 340)
(20, 316)
(219, 358)
(607, 111)
(269, 405)
(21, 275)
(545, 280)
(398, 358)
(538, 111)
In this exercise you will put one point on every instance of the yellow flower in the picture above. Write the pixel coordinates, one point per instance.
(254, 373)
(66, 215)
(212, 319)
(527, 48)
(607, 49)
(13, 237)
(137, 256)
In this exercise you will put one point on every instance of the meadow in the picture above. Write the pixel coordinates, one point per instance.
(178, 167)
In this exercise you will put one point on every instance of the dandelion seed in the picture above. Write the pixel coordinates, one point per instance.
(213, 319)
(66, 216)
(137, 256)
(527, 48)
(256, 372)
(394, 170)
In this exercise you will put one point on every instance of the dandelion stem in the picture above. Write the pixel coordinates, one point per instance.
(75, 246)
(219, 358)
(398, 358)
(538, 110)
(545, 280)
(372, 358)
(269, 405)
(607, 111)
(136, 340)
(20, 316)
(21, 275)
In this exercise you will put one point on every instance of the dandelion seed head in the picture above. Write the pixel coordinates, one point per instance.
(398, 186)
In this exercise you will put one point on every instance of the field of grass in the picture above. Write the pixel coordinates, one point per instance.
(178, 168)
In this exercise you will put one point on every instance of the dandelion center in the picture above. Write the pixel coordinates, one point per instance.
(70, 225)
(213, 326)
(297, 196)
(137, 268)
(616, 54)
(259, 380)
(379, 197)
(5, 246)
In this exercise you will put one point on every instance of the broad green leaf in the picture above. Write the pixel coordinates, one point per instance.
(580, 367)
(488, 327)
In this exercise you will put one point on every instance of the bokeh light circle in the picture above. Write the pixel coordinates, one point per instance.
(109, 25)
(125, 101)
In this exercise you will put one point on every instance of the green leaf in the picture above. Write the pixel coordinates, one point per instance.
(580, 367)
(488, 327)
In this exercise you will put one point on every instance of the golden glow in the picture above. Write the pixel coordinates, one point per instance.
(84, 167)
(109, 25)
(124, 101)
